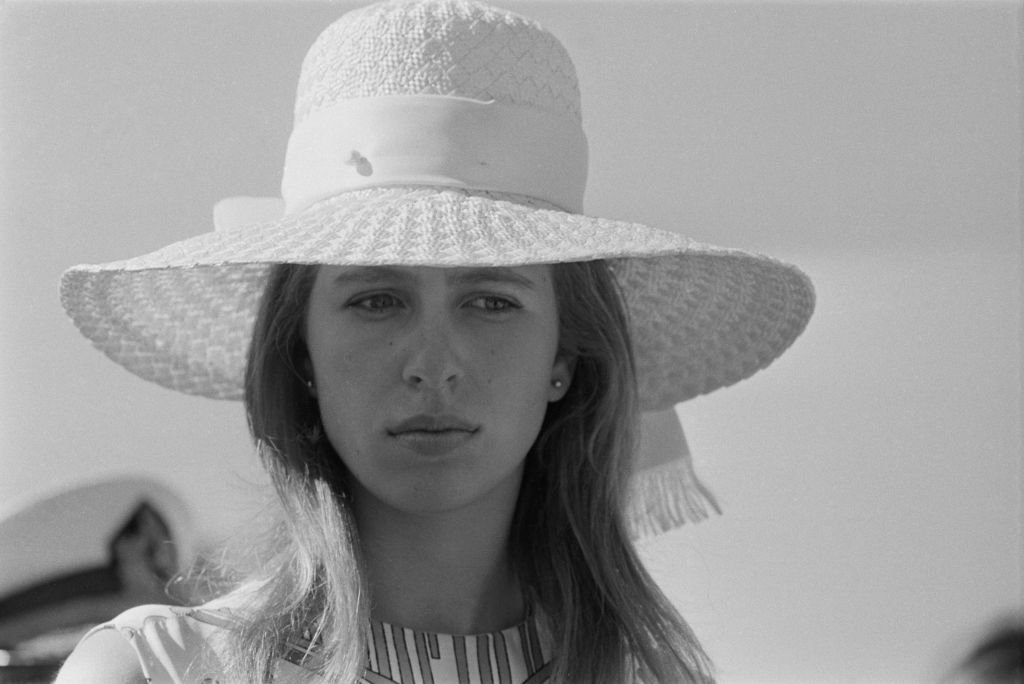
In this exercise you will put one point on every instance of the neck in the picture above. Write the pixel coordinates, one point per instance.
(448, 572)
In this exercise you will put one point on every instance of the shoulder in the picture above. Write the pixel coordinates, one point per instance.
(103, 655)
(150, 643)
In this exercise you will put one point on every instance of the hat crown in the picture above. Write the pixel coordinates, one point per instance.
(438, 47)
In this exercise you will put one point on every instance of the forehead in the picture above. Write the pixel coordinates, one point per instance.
(529, 277)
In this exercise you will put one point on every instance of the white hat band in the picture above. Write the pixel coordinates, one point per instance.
(435, 140)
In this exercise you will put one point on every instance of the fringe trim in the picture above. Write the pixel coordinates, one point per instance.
(665, 497)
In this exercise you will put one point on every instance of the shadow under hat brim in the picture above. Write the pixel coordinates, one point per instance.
(702, 317)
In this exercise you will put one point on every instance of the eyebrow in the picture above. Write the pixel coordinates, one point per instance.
(371, 275)
(490, 274)
(460, 276)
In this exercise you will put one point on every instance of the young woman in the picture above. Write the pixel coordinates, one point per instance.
(446, 364)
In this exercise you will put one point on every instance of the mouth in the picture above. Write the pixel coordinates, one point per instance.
(427, 424)
(433, 435)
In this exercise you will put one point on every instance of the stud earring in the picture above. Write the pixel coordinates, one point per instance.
(557, 384)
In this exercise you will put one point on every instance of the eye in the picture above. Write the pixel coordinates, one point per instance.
(493, 304)
(376, 303)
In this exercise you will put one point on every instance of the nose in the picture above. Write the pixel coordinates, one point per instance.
(432, 361)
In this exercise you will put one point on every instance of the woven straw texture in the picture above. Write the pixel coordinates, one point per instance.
(702, 317)
(465, 49)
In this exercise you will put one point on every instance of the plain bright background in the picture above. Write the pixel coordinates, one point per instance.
(871, 478)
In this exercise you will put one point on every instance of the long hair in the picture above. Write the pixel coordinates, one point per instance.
(607, 618)
(304, 582)
(610, 621)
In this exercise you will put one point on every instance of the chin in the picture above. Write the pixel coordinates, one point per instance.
(450, 492)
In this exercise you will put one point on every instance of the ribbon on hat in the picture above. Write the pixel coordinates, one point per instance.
(665, 490)
(435, 140)
(431, 140)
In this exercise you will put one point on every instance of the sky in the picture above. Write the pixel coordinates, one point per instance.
(870, 478)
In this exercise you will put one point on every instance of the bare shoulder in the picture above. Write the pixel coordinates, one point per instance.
(103, 656)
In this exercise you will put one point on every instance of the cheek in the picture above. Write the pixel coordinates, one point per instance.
(341, 359)
(521, 372)
(347, 380)
(348, 385)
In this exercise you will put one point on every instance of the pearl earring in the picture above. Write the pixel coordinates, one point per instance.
(557, 384)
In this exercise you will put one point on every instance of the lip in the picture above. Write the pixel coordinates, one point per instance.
(433, 435)
(432, 423)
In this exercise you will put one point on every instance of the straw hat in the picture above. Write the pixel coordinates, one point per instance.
(442, 133)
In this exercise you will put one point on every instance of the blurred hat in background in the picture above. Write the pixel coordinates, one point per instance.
(73, 558)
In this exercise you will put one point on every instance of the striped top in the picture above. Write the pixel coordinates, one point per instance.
(511, 656)
(175, 645)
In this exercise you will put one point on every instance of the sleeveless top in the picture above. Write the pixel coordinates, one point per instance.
(175, 646)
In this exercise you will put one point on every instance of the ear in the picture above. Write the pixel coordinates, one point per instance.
(561, 378)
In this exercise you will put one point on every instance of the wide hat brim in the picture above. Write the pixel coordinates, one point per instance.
(702, 317)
